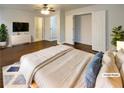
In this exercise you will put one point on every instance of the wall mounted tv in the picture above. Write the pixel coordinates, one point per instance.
(20, 27)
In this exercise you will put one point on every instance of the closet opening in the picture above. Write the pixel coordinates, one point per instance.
(83, 32)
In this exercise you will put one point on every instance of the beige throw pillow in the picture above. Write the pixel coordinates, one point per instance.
(108, 66)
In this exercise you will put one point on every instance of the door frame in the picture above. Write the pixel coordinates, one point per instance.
(73, 28)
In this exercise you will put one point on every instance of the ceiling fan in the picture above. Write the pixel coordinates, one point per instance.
(46, 10)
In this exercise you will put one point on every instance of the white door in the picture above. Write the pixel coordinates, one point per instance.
(53, 27)
(99, 31)
(38, 28)
(69, 29)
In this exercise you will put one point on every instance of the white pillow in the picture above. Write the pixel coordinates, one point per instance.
(108, 66)
(120, 62)
(108, 58)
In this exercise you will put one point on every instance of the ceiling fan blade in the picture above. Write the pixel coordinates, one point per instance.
(52, 10)
(45, 7)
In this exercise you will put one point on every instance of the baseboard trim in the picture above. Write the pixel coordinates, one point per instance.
(68, 44)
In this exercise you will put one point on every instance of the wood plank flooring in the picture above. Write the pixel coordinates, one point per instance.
(84, 47)
(13, 54)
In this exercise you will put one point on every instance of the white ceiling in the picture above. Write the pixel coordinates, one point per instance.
(33, 7)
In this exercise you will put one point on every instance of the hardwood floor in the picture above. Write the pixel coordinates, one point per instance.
(12, 54)
(83, 47)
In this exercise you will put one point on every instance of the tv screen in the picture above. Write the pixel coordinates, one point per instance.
(20, 27)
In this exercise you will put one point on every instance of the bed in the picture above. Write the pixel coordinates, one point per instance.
(62, 66)
(57, 66)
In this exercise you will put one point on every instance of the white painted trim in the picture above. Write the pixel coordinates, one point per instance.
(99, 31)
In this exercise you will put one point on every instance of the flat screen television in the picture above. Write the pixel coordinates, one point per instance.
(20, 27)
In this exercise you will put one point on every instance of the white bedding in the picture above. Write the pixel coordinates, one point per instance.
(57, 67)
(64, 71)
(30, 62)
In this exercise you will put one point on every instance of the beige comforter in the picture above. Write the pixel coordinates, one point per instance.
(58, 66)
(63, 72)
(30, 63)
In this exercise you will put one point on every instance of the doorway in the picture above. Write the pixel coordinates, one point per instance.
(38, 28)
(83, 32)
(83, 29)
(50, 27)
(53, 28)
(97, 39)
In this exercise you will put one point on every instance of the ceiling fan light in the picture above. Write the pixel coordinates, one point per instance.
(45, 12)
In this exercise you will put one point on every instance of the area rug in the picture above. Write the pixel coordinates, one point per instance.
(12, 78)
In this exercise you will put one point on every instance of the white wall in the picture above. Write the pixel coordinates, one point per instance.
(115, 15)
(62, 26)
(83, 30)
(7, 16)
